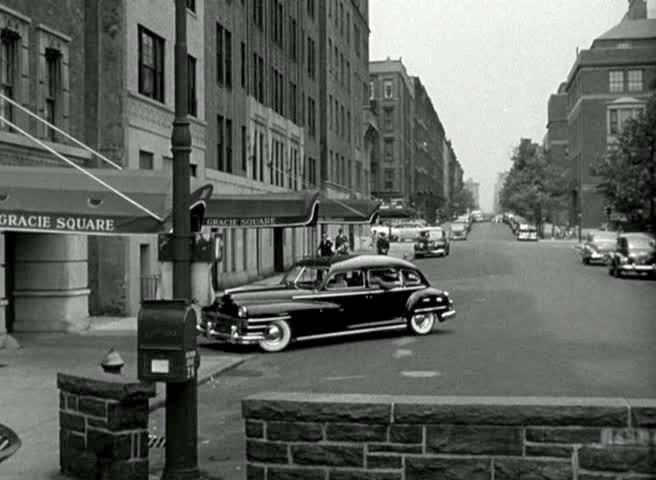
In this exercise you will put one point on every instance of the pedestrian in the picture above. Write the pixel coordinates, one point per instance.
(341, 243)
(382, 244)
(325, 248)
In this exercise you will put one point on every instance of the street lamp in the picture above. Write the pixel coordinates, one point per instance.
(181, 398)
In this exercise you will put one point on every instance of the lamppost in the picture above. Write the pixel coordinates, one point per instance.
(181, 398)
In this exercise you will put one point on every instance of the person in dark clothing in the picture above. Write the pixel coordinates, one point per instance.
(382, 244)
(341, 243)
(325, 248)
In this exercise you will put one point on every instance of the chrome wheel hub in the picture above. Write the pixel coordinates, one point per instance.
(273, 334)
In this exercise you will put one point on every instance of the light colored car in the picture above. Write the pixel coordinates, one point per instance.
(458, 231)
(527, 232)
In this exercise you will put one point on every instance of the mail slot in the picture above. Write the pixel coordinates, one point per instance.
(166, 341)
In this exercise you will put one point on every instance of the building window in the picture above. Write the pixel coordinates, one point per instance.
(151, 64)
(348, 125)
(348, 28)
(244, 156)
(330, 112)
(311, 117)
(616, 80)
(146, 160)
(220, 145)
(191, 5)
(311, 56)
(53, 86)
(372, 90)
(389, 179)
(388, 150)
(192, 101)
(228, 58)
(634, 80)
(276, 22)
(8, 67)
(293, 102)
(388, 118)
(356, 39)
(617, 117)
(243, 65)
(310, 8)
(258, 14)
(224, 56)
(228, 143)
(330, 55)
(387, 89)
(293, 43)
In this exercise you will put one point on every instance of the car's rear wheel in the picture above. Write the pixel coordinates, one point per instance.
(277, 336)
(585, 260)
(422, 323)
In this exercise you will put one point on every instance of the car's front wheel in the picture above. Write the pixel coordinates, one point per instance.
(277, 336)
(422, 323)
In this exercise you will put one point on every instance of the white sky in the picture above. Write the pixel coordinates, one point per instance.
(489, 66)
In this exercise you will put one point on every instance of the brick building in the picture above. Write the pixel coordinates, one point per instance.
(392, 90)
(428, 191)
(260, 82)
(473, 188)
(608, 83)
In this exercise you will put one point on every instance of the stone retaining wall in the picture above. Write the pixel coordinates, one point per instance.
(103, 422)
(357, 437)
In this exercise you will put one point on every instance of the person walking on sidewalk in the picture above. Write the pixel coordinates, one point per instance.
(325, 248)
(341, 243)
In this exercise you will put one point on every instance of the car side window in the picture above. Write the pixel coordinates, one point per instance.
(411, 278)
(390, 277)
(348, 279)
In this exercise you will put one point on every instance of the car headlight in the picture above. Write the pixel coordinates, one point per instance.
(242, 312)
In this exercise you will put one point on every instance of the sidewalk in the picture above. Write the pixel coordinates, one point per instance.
(29, 399)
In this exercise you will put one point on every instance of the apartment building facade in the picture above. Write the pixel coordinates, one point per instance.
(393, 169)
(608, 83)
(428, 191)
(473, 188)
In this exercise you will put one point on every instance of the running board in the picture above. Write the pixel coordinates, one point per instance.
(352, 332)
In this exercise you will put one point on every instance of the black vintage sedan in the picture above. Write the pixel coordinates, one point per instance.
(328, 297)
(634, 253)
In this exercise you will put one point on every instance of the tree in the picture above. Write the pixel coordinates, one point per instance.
(534, 187)
(463, 200)
(627, 170)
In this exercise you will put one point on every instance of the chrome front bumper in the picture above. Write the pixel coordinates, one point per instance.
(232, 337)
(632, 267)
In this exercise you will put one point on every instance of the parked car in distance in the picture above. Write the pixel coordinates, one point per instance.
(432, 241)
(458, 231)
(328, 297)
(596, 247)
(634, 253)
(528, 232)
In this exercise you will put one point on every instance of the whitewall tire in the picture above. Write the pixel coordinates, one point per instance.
(277, 336)
(422, 323)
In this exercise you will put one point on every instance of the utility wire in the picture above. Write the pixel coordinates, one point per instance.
(85, 172)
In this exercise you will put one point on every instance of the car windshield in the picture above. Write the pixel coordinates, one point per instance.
(304, 276)
(432, 234)
(527, 228)
(604, 239)
(458, 226)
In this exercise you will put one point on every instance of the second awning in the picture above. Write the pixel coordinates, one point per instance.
(348, 211)
(262, 210)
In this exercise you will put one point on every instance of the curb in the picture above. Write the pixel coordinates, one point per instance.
(161, 402)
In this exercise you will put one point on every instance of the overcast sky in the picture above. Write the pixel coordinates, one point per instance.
(489, 66)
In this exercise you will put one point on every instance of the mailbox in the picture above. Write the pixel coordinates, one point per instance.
(166, 341)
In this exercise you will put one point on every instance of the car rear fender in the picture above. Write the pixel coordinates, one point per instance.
(424, 298)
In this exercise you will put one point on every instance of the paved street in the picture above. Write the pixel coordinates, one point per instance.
(532, 320)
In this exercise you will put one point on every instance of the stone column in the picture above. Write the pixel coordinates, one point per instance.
(51, 283)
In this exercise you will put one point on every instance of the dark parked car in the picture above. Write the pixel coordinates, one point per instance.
(327, 297)
(634, 253)
(597, 246)
(432, 241)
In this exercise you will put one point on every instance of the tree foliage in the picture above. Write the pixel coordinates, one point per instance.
(627, 170)
(534, 186)
(463, 200)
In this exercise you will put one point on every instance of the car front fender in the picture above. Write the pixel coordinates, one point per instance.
(424, 298)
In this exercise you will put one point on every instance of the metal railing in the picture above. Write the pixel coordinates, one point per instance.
(149, 285)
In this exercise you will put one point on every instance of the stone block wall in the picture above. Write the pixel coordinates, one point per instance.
(103, 427)
(359, 437)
